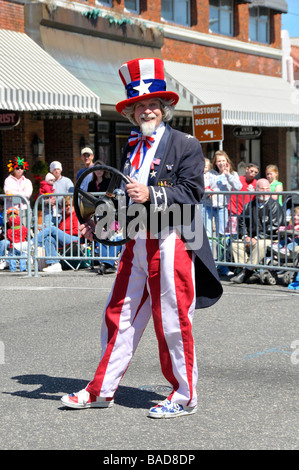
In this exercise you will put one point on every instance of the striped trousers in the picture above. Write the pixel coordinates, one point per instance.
(155, 277)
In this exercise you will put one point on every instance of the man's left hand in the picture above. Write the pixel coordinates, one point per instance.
(138, 192)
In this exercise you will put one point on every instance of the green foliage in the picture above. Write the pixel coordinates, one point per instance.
(39, 168)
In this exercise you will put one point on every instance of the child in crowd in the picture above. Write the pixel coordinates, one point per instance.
(287, 245)
(17, 235)
(272, 175)
(46, 187)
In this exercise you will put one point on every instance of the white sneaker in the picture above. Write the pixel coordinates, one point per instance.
(53, 268)
(3, 264)
(84, 399)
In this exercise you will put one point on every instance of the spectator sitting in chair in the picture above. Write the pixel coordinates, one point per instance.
(258, 225)
(53, 238)
(17, 236)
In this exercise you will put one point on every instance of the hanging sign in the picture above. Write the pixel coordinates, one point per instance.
(9, 119)
(247, 132)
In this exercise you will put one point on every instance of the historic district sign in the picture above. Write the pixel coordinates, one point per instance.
(207, 122)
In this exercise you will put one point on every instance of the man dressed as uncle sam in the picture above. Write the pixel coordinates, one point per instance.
(158, 276)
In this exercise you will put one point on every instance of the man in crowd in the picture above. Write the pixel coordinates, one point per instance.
(87, 158)
(157, 276)
(62, 185)
(258, 225)
(248, 184)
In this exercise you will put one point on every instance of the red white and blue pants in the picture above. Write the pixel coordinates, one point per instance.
(155, 277)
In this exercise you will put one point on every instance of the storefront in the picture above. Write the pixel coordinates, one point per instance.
(41, 91)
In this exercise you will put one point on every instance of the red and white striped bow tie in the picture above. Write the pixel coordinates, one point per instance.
(142, 144)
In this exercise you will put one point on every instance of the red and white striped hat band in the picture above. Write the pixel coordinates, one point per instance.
(144, 77)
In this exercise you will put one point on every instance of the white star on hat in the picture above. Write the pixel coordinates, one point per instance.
(143, 88)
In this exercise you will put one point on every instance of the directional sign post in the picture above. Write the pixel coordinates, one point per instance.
(207, 123)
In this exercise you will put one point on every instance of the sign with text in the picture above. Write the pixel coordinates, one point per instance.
(9, 119)
(247, 132)
(207, 122)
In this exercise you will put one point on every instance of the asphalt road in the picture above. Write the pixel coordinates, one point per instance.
(49, 345)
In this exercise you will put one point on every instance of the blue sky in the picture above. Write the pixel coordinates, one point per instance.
(290, 21)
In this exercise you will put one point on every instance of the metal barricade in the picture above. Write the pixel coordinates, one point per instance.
(225, 214)
(53, 243)
(244, 231)
(15, 246)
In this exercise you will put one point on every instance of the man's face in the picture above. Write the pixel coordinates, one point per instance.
(87, 159)
(251, 173)
(148, 114)
(57, 173)
(263, 187)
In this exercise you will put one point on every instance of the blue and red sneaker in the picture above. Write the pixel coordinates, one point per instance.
(168, 409)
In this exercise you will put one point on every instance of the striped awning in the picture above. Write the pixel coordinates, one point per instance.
(247, 99)
(31, 80)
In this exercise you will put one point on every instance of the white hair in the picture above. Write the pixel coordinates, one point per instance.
(167, 109)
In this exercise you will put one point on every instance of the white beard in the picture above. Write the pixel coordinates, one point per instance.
(148, 127)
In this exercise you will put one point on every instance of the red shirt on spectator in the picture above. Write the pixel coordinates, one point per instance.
(69, 223)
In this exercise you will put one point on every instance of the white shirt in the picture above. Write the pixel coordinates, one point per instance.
(142, 175)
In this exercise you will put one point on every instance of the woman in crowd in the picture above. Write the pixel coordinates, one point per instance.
(16, 184)
(100, 180)
(221, 178)
(53, 238)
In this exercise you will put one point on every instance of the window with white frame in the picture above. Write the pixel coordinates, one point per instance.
(132, 5)
(221, 17)
(177, 11)
(259, 24)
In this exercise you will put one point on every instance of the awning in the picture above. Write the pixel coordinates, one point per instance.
(32, 80)
(247, 99)
(95, 62)
(278, 5)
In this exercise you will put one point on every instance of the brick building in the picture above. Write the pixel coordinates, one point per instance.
(215, 51)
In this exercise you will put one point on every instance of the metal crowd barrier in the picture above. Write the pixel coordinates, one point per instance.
(268, 249)
(74, 254)
(227, 242)
(13, 249)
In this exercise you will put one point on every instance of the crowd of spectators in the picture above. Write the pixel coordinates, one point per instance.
(247, 224)
(246, 228)
(59, 226)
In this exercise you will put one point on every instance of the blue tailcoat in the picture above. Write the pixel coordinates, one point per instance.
(176, 177)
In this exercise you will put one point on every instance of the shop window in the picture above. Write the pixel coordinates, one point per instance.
(132, 5)
(221, 17)
(259, 24)
(177, 11)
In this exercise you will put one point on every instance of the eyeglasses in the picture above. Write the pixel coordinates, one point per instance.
(19, 168)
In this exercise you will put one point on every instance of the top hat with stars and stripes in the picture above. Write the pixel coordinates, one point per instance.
(144, 78)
